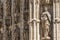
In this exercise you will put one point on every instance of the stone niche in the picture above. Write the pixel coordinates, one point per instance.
(49, 5)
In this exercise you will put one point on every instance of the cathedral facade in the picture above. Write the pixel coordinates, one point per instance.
(29, 19)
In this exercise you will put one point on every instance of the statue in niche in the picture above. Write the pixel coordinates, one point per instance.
(46, 19)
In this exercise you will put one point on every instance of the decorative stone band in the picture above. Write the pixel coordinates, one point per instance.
(56, 20)
(37, 20)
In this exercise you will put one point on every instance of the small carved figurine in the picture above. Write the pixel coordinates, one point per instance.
(46, 19)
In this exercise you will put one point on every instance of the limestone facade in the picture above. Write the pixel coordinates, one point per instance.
(21, 19)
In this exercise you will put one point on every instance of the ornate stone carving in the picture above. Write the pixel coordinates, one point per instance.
(46, 19)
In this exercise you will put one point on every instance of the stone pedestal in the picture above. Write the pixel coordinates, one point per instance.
(46, 38)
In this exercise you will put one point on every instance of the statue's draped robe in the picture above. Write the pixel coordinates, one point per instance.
(45, 24)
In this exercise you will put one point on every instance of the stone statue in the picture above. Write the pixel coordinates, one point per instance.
(46, 19)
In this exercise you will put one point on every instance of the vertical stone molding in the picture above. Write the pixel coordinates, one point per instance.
(5, 12)
(5, 8)
(12, 14)
(56, 17)
(38, 21)
(30, 22)
(21, 17)
(34, 21)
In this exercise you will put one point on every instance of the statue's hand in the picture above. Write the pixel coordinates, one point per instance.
(45, 18)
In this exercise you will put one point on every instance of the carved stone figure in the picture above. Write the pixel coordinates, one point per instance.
(46, 19)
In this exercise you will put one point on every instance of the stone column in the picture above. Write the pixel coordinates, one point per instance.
(54, 32)
(57, 25)
(34, 21)
(12, 14)
(21, 18)
(30, 22)
(38, 20)
(56, 15)
(5, 7)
